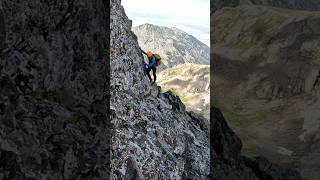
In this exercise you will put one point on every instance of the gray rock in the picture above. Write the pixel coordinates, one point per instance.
(2, 28)
(133, 172)
(53, 118)
(152, 128)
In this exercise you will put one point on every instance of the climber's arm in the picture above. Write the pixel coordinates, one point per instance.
(143, 51)
(153, 62)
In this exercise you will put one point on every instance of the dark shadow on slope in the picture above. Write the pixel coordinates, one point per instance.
(54, 89)
(227, 163)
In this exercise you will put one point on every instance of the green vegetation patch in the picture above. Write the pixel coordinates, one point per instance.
(241, 124)
(237, 120)
(185, 99)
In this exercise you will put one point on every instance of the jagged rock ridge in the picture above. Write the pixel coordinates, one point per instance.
(154, 137)
(53, 116)
(174, 45)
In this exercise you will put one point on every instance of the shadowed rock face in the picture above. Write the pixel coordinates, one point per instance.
(267, 65)
(228, 163)
(2, 29)
(219, 4)
(53, 77)
(310, 5)
(154, 137)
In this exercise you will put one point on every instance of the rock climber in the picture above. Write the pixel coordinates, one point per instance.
(151, 66)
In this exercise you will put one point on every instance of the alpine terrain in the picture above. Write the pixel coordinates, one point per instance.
(55, 114)
(191, 82)
(266, 61)
(174, 46)
(154, 137)
(310, 5)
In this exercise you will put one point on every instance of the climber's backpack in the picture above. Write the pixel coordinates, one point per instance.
(158, 59)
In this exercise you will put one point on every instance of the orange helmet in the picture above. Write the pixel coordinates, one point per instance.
(149, 54)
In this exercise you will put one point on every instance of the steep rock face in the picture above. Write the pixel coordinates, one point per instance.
(53, 80)
(266, 63)
(2, 28)
(153, 136)
(309, 5)
(174, 45)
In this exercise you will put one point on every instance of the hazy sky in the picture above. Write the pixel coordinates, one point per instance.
(191, 16)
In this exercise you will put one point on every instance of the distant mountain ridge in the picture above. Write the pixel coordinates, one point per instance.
(174, 45)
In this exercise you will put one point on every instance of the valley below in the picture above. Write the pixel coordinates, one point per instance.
(266, 63)
(191, 82)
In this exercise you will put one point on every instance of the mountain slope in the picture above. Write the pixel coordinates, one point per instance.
(309, 5)
(267, 81)
(191, 83)
(229, 164)
(174, 46)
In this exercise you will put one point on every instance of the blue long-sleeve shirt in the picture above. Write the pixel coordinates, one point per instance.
(152, 60)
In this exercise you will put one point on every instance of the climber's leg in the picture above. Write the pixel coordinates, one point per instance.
(148, 74)
(154, 70)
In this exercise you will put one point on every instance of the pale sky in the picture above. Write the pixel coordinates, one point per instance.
(191, 16)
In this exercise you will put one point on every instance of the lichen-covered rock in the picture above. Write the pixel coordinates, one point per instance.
(53, 119)
(153, 135)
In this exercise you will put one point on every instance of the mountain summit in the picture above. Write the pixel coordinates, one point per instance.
(174, 45)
